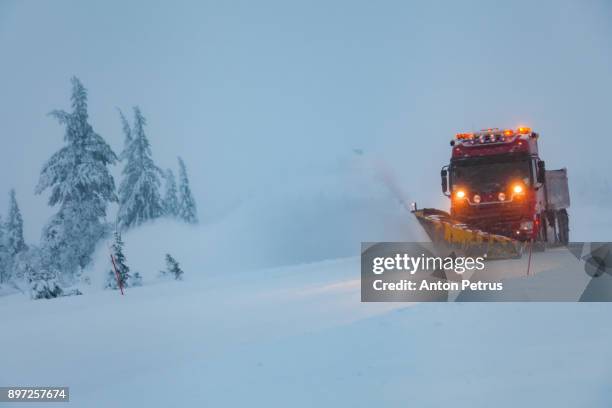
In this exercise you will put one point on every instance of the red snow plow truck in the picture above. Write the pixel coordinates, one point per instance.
(500, 192)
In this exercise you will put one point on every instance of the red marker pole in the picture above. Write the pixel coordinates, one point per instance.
(529, 261)
(534, 234)
(117, 274)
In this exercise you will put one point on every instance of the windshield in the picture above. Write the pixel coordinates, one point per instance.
(487, 177)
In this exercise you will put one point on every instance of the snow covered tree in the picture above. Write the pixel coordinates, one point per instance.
(43, 284)
(24, 260)
(122, 272)
(81, 185)
(139, 197)
(127, 132)
(11, 240)
(187, 206)
(4, 267)
(172, 268)
(38, 269)
(14, 228)
(171, 203)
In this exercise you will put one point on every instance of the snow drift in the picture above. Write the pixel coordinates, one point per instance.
(308, 218)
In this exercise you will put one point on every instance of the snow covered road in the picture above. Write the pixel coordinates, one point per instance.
(299, 336)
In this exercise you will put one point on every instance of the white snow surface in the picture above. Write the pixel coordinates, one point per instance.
(299, 336)
(269, 315)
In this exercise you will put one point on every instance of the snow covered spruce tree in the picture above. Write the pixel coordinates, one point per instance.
(122, 273)
(4, 267)
(139, 197)
(11, 240)
(187, 206)
(43, 284)
(127, 132)
(37, 267)
(81, 185)
(172, 268)
(171, 203)
(14, 228)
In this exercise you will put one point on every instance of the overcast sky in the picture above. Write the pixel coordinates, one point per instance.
(250, 93)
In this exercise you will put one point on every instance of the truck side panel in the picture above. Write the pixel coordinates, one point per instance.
(557, 189)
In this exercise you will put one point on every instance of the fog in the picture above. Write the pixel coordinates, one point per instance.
(256, 96)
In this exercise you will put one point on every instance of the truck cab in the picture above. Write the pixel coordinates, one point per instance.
(497, 182)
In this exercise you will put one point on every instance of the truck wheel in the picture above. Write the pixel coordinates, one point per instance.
(563, 225)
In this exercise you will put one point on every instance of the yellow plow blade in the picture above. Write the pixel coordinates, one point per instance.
(458, 237)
